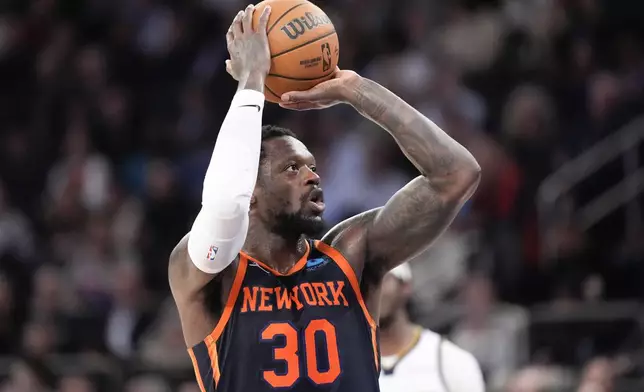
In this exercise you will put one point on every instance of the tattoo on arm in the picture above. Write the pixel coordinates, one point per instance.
(417, 214)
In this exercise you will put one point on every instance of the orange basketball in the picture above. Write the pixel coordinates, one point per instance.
(304, 46)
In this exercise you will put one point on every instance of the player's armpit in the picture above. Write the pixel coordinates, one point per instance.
(184, 277)
(186, 284)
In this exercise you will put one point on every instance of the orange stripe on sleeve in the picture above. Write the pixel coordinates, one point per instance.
(353, 280)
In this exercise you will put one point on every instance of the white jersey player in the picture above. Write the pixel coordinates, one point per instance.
(416, 359)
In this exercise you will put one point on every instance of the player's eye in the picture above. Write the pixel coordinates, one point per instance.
(314, 169)
(292, 167)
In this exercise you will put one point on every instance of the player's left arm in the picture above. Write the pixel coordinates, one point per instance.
(418, 213)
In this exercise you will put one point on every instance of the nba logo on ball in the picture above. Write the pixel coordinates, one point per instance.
(212, 252)
(326, 57)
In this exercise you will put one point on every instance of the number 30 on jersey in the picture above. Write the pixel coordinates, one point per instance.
(290, 353)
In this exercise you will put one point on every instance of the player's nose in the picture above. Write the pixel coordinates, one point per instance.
(311, 177)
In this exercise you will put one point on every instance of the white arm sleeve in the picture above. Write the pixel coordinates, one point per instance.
(219, 231)
(461, 371)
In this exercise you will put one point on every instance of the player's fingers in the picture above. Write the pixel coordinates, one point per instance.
(311, 95)
(229, 37)
(263, 19)
(300, 106)
(236, 27)
(247, 20)
(229, 67)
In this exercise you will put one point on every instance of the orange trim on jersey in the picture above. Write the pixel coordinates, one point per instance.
(195, 365)
(232, 299)
(214, 358)
(353, 280)
(296, 267)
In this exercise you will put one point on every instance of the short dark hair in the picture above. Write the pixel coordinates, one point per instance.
(272, 132)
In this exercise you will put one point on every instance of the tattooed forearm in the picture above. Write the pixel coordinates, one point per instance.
(431, 150)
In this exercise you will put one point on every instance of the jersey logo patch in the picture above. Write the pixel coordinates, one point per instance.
(316, 263)
(212, 252)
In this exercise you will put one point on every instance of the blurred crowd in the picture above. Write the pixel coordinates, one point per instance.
(109, 110)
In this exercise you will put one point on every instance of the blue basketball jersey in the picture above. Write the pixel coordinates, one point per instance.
(305, 330)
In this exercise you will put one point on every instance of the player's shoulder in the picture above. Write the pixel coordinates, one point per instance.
(349, 228)
(349, 237)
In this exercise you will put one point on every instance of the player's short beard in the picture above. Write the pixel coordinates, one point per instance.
(293, 225)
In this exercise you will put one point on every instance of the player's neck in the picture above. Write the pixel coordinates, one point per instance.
(397, 335)
(274, 250)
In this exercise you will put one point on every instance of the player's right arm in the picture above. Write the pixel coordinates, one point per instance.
(219, 230)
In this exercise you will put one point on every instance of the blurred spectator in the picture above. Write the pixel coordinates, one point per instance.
(92, 263)
(492, 332)
(164, 339)
(16, 237)
(10, 327)
(371, 168)
(76, 384)
(598, 375)
(472, 38)
(130, 312)
(40, 339)
(82, 177)
(29, 375)
(147, 383)
(537, 379)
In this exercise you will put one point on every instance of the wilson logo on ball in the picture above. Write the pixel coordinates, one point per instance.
(301, 25)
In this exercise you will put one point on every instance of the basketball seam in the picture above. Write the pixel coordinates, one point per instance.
(271, 91)
(304, 44)
(283, 15)
(301, 79)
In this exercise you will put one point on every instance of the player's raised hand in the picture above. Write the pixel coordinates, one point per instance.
(326, 94)
(248, 48)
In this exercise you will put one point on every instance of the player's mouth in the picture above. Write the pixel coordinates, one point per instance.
(316, 201)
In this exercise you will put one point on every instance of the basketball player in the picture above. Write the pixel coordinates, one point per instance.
(416, 359)
(264, 307)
